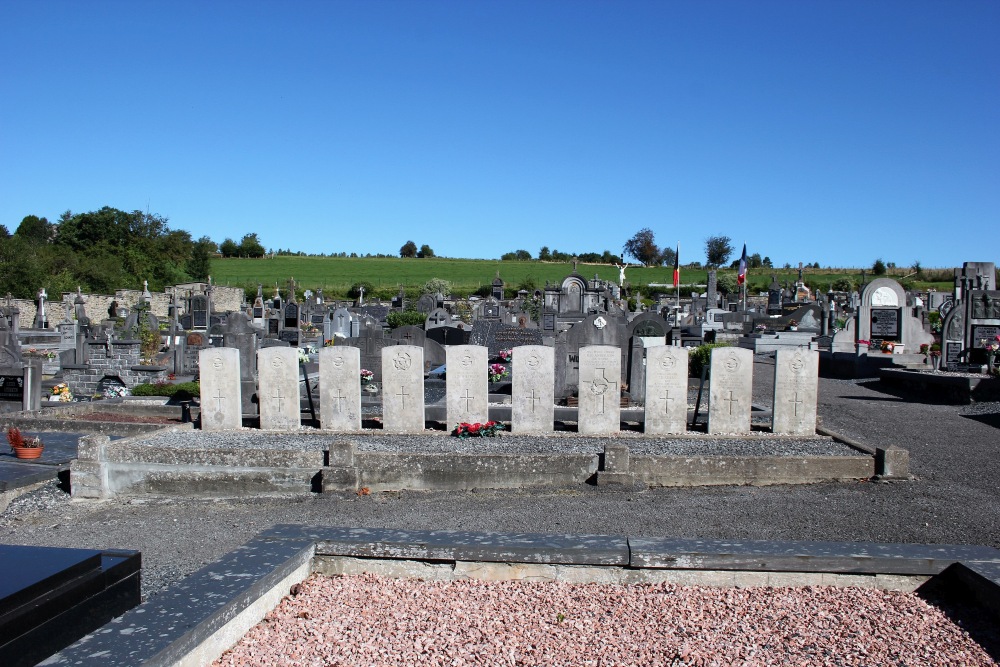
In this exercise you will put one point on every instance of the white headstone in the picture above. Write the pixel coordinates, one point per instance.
(532, 408)
(666, 389)
(403, 389)
(467, 394)
(219, 370)
(599, 405)
(730, 390)
(278, 388)
(340, 388)
(796, 386)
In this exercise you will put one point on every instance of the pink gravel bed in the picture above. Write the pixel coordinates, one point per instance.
(371, 620)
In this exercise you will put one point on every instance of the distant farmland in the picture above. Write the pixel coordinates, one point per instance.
(336, 275)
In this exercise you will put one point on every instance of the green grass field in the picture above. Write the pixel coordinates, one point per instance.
(335, 275)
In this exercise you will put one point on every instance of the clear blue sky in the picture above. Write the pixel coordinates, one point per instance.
(836, 132)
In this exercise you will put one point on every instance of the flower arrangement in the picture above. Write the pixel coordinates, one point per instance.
(932, 350)
(888, 347)
(62, 392)
(477, 430)
(497, 372)
(506, 355)
(16, 439)
(366, 376)
(115, 391)
(40, 354)
(761, 327)
(793, 322)
(303, 356)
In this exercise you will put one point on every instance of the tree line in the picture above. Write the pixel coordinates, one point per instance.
(99, 251)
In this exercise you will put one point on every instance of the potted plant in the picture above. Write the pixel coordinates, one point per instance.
(24, 448)
(793, 325)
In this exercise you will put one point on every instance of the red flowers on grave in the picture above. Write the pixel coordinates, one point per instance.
(477, 430)
(497, 372)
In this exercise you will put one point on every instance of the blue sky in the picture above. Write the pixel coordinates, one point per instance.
(831, 132)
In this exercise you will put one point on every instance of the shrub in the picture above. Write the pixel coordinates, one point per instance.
(402, 318)
(701, 356)
(182, 390)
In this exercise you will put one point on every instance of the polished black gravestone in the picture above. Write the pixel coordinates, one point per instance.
(50, 597)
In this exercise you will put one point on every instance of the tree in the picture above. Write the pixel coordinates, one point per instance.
(516, 256)
(766, 263)
(878, 268)
(34, 229)
(250, 246)
(726, 283)
(198, 266)
(717, 251)
(643, 247)
(918, 269)
(4, 232)
(229, 248)
(425, 251)
(436, 286)
(667, 257)
(409, 249)
(544, 255)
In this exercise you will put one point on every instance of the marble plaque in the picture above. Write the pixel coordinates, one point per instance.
(278, 388)
(730, 390)
(219, 370)
(532, 408)
(796, 386)
(340, 388)
(600, 390)
(666, 389)
(467, 394)
(403, 389)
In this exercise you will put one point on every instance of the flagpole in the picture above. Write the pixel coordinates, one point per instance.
(677, 281)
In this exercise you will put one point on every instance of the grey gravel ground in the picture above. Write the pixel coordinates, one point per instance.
(954, 498)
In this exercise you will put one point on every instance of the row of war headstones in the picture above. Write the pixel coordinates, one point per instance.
(532, 391)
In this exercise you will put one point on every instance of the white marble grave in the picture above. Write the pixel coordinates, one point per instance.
(340, 388)
(796, 387)
(666, 389)
(532, 408)
(730, 390)
(599, 405)
(467, 394)
(403, 389)
(220, 389)
(278, 388)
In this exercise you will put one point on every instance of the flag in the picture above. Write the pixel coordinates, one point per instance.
(677, 266)
(742, 276)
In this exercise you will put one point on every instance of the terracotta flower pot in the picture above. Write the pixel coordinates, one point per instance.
(28, 452)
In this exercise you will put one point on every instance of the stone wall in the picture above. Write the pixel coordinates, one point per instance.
(119, 360)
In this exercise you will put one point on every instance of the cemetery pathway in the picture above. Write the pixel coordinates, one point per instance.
(954, 498)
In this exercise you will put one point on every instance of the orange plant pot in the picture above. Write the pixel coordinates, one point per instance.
(28, 452)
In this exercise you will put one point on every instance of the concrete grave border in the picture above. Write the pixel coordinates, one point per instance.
(199, 618)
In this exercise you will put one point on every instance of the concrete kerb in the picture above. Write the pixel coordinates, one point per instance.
(891, 463)
(198, 619)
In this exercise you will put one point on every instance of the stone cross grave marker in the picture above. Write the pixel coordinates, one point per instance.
(403, 389)
(730, 390)
(532, 383)
(666, 389)
(467, 394)
(340, 388)
(796, 386)
(278, 388)
(599, 406)
(219, 369)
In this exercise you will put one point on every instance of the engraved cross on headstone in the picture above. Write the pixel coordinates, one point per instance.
(535, 400)
(436, 318)
(731, 400)
(796, 401)
(340, 398)
(402, 396)
(666, 398)
(278, 397)
(468, 400)
(601, 385)
(219, 398)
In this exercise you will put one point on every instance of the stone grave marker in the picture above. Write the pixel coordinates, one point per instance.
(426, 304)
(239, 334)
(796, 387)
(666, 389)
(439, 317)
(467, 394)
(599, 406)
(341, 323)
(340, 388)
(403, 389)
(532, 382)
(219, 369)
(730, 390)
(278, 392)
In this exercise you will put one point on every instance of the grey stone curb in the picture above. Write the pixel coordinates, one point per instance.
(188, 623)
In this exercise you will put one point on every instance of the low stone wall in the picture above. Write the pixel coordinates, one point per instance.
(940, 387)
(118, 359)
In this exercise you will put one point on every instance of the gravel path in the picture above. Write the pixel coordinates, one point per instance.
(365, 620)
(954, 499)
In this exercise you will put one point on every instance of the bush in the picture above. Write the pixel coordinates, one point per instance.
(355, 291)
(878, 268)
(402, 318)
(700, 356)
(843, 285)
(183, 390)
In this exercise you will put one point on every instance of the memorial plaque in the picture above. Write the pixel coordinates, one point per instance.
(219, 371)
(599, 404)
(317, 319)
(885, 323)
(291, 316)
(11, 388)
(403, 389)
(340, 388)
(467, 394)
(278, 391)
(272, 327)
(982, 332)
(532, 407)
(666, 389)
(549, 321)
(258, 312)
(953, 353)
(796, 387)
(730, 390)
